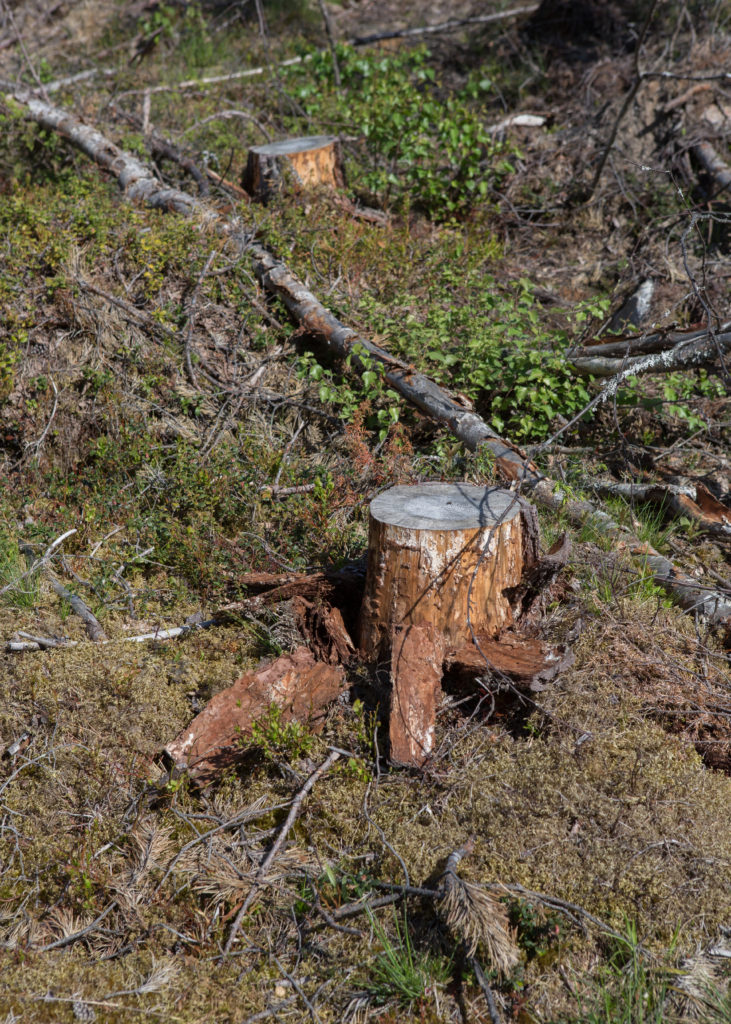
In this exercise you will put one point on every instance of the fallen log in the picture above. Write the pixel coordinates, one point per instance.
(513, 466)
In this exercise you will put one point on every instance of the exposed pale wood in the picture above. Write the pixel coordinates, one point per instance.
(311, 160)
(442, 555)
(713, 164)
(416, 673)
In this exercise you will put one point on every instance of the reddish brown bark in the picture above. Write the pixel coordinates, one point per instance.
(297, 684)
(416, 669)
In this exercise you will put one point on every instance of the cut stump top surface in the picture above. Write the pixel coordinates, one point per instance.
(298, 145)
(445, 506)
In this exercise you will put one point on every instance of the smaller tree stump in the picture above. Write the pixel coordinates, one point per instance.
(311, 160)
(443, 562)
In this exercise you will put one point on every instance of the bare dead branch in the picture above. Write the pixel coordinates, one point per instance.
(277, 845)
(451, 25)
(711, 162)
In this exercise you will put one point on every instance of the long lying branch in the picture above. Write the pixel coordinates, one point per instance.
(687, 349)
(451, 25)
(633, 345)
(139, 183)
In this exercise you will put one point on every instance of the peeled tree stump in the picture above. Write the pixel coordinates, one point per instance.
(447, 565)
(311, 160)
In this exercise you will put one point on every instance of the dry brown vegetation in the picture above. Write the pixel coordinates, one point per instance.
(158, 402)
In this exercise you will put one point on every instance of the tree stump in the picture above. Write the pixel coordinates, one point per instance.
(441, 558)
(311, 160)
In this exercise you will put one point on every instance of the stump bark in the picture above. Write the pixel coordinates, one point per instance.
(443, 563)
(310, 160)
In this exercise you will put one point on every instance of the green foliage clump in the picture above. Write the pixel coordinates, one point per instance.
(428, 147)
(279, 739)
(350, 395)
(492, 345)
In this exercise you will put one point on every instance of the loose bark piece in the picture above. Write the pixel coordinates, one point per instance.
(538, 578)
(313, 160)
(338, 586)
(416, 670)
(323, 627)
(526, 660)
(295, 683)
(443, 555)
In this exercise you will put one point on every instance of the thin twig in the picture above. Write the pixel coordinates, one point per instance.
(636, 82)
(299, 990)
(277, 845)
(68, 940)
(487, 992)
(443, 26)
(330, 33)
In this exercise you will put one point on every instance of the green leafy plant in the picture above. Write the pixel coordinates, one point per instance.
(348, 395)
(426, 147)
(278, 738)
(536, 928)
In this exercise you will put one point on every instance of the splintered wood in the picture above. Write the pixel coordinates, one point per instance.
(311, 160)
(442, 562)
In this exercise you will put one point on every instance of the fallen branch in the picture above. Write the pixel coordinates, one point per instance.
(711, 162)
(495, 1017)
(691, 500)
(80, 608)
(37, 643)
(451, 25)
(476, 916)
(513, 465)
(704, 347)
(629, 346)
(277, 845)
(68, 940)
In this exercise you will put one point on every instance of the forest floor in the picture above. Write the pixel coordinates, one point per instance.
(158, 409)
